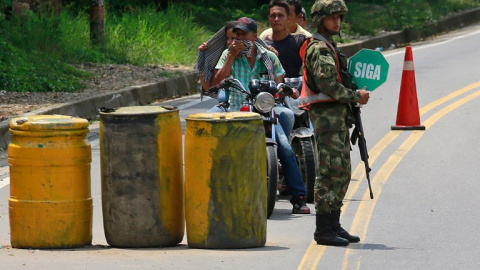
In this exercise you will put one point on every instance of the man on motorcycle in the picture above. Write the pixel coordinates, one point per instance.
(288, 46)
(293, 26)
(254, 62)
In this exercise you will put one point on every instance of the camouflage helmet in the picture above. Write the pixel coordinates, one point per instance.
(324, 8)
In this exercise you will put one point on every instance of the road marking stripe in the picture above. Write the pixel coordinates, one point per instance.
(4, 182)
(365, 210)
(4, 170)
(359, 173)
(189, 104)
(419, 47)
(455, 94)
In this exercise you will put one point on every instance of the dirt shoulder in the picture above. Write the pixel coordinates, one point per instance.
(104, 79)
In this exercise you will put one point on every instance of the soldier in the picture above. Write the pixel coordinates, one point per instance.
(329, 96)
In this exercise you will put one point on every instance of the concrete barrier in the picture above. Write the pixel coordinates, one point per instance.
(130, 96)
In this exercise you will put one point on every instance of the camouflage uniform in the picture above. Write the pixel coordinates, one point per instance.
(329, 96)
(331, 121)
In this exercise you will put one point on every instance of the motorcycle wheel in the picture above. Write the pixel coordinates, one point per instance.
(272, 178)
(305, 155)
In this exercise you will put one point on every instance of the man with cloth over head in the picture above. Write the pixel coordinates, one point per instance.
(329, 94)
(253, 63)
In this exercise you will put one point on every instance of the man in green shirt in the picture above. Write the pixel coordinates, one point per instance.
(256, 62)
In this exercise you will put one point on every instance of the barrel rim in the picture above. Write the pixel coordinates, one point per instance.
(224, 116)
(48, 123)
(143, 110)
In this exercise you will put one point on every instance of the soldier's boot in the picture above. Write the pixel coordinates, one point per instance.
(324, 234)
(337, 228)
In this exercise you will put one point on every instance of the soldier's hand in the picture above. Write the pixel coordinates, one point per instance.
(364, 96)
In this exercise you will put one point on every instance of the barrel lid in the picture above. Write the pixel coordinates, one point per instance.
(136, 110)
(48, 122)
(224, 116)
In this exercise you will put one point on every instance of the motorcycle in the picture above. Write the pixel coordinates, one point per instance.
(302, 140)
(260, 99)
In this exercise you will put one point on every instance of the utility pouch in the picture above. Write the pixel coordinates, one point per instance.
(347, 79)
(342, 58)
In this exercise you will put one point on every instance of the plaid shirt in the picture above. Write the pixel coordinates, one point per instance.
(241, 70)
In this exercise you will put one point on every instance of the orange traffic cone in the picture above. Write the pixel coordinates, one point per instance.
(408, 115)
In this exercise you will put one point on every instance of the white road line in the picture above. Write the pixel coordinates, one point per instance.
(4, 170)
(189, 104)
(414, 48)
(4, 182)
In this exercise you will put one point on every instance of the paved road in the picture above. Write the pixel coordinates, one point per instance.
(424, 214)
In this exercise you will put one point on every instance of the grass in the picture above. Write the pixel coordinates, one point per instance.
(36, 51)
(24, 71)
(143, 37)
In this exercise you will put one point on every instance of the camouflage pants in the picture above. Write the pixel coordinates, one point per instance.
(333, 170)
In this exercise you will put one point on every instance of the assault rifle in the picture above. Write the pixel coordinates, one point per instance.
(358, 134)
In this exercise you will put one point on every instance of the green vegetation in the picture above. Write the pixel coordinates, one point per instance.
(36, 50)
(391, 15)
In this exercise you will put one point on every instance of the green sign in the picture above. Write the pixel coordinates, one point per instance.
(368, 68)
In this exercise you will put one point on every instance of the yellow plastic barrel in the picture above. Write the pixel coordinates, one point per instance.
(142, 176)
(225, 180)
(50, 204)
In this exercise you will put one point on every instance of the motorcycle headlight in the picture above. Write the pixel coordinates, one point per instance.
(264, 102)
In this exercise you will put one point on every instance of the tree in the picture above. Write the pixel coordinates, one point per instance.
(97, 22)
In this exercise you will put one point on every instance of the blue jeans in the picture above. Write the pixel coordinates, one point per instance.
(290, 169)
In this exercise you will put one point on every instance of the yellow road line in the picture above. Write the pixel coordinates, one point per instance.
(315, 251)
(365, 210)
(440, 101)
(359, 172)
